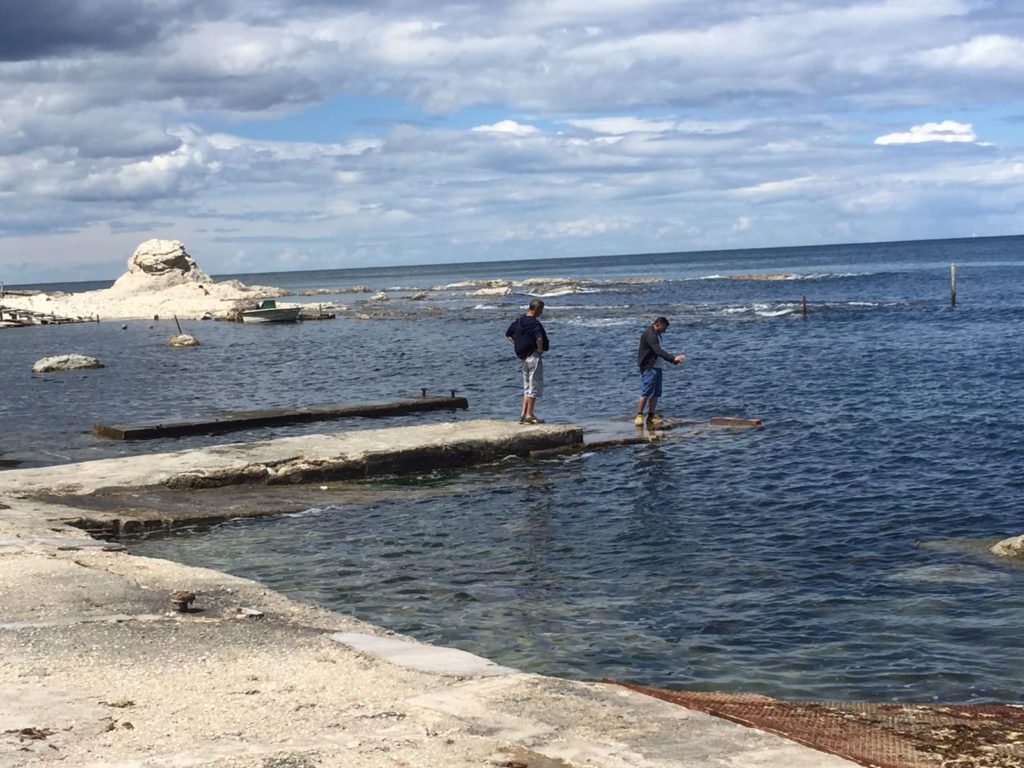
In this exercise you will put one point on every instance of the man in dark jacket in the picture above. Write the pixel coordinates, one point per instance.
(651, 358)
(531, 342)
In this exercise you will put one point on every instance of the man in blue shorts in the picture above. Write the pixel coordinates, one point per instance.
(652, 358)
(531, 342)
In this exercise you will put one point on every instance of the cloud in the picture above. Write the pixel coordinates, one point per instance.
(948, 131)
(47, 28)
(1000, 54)
(783, 187)
(510, 127)
(269, 133)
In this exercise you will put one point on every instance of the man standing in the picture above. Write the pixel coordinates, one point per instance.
(531, 342)
(652, 358)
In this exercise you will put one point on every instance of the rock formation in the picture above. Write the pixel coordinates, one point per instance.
(157, 264)
(1011, 547)
(162, 280)
(183, 340)
(65, 363)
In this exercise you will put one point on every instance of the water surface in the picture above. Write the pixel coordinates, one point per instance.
(839, 552)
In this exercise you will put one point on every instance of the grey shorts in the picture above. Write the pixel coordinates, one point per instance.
(533, 376)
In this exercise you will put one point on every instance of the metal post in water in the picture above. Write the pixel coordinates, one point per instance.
(952, 285)
(805, 307)
(177, 324)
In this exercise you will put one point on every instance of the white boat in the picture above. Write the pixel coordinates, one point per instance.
(268, 312)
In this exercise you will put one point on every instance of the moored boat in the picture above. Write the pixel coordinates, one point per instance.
(268, 312)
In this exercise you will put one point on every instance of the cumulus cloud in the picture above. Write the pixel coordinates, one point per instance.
(948, 131)
(510, 127)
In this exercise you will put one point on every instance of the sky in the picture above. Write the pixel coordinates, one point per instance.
(273, 135)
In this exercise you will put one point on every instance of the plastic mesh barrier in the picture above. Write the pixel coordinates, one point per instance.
(873, 734)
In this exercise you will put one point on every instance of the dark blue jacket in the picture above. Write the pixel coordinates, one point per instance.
(524, 332)
(651, 349)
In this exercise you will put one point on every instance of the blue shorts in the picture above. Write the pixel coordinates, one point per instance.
(650, 383)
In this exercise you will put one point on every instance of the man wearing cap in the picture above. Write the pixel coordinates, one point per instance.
(651, 358)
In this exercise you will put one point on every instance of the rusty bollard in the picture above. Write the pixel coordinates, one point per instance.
(182, 599)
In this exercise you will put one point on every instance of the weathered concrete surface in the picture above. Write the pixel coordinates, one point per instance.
(98, 668)
(302, 459)
(269, 417)
(109, 497)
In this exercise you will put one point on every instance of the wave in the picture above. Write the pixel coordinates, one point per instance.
(759, 277)
(602, 322)
(561, 292)
(776, 312)
(784, 309)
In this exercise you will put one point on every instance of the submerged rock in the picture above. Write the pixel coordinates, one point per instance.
(65, 363)
(183, 340)
(1011, 547)
(501, 290)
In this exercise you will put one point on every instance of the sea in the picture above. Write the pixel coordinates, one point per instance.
(839, 552)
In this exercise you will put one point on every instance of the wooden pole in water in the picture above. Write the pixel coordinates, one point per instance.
(952, 285)
(177, 323)
(805, 307)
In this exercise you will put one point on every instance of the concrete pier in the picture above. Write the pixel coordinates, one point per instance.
(136, 493)
(100, 666)
(275, 417)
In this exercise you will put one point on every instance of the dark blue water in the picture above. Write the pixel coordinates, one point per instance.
(840, 552)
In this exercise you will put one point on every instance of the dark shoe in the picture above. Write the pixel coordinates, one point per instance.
(534, 420)
(654, 420)
(522, 420)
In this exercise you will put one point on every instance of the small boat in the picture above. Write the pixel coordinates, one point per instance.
(268, 312)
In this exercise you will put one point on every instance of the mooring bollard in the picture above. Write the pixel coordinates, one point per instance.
(952, 285)
(423, 391)
(453, 393)
(805, 307)
(182, 599)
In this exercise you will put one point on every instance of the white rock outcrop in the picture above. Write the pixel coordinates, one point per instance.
(500, 290)
(1011, 547)
(183, 340)
(65, 363)
(158, 264)
(162, 280)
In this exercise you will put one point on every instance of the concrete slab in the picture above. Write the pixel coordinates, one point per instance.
(305, 458)
(585, 724)
(269, 417)
(434, 659)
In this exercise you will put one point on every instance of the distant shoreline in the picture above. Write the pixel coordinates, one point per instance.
(516, 264)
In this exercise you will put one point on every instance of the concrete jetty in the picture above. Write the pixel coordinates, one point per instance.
(274, 417)
(99, 666)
